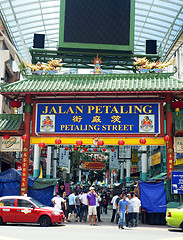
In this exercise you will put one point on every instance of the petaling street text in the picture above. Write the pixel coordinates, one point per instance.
(96, 109)
(97, 127)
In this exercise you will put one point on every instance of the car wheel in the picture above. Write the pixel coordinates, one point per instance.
(45, 221)
(181, 226)
(1, 221)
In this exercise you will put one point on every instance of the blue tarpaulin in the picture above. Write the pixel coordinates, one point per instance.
(10, 182)
(42, 195)
(153, 197)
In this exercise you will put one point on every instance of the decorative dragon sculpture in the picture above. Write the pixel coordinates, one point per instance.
(51, 67)
(143, 65)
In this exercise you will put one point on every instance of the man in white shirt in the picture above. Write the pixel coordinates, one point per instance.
(113, 202)
(57, 201)
(84, 206)
(98, 201)
(136, 209)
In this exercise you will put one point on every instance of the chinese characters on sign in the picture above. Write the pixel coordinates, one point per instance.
(24, 170)
(123, 118)
(170, 164)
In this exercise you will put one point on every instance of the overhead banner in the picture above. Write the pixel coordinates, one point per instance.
(13, 144)
(91, 165)
(118, 118)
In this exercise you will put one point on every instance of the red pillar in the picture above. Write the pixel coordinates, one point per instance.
(169, 131)
(26, 146)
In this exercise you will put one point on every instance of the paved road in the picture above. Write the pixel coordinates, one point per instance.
(78, 231)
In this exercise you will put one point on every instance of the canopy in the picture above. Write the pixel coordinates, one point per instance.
(153, 197)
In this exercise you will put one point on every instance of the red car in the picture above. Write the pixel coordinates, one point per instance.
(18, 209)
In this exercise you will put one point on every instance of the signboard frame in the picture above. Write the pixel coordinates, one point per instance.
(160, 123)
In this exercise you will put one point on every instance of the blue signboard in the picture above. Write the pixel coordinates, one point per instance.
(177, 182)
(125, 118)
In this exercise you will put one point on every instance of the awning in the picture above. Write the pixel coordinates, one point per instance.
(159, 176)
(11, 124)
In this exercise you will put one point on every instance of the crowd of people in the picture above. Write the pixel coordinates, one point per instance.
(88, 202)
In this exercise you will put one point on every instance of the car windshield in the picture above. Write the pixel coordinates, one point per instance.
(40, 205)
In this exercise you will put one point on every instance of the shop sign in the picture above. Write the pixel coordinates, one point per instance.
(178, 144)
(13, 144)
(156, 159)
(113, 160)
(177, 182)
(91, 165)
(64, 158)
(133, 169)
(135, 158)
(118, 118)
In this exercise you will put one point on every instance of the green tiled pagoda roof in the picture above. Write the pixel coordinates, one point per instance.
(95, 83)
(10, 122)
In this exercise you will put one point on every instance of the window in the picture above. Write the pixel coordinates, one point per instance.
(7, 203)
(24, 203)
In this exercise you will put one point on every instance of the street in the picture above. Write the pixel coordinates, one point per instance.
(78, 231)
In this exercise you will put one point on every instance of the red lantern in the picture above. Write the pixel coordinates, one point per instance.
(58, 141)
(121, 142)
(177, 104)
(6, 137)
(41, 144)
(100, 143)
(75, 149)
(167, 138)
(66, 148)
(112, 149)
(15, 104)
(142, 141)
(79, 142)
(24, 137)
(83, 151)
(104, 150)
(85, 148)
(95, 149)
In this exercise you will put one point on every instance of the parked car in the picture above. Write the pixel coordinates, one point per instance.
(19, 209)
(174, 217)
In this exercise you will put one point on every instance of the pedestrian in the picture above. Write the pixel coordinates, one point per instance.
(84, 206)
(61, 188)
(91, 200)
(129, 216)
(65, 207)
(120, 195)
(122, 209)
(98, 201)
(136, 209)
(105, 203)
(113, 202)
(72, 206)
(78, 203)
(57, 201)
